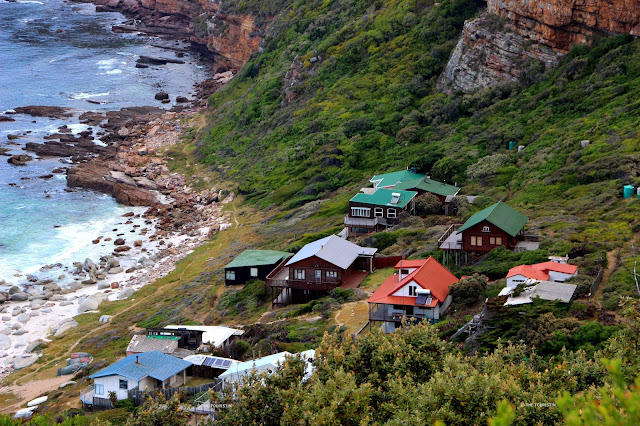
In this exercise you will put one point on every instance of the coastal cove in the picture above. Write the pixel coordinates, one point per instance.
(52, 229)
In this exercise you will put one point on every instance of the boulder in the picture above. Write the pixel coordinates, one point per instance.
(119, 242)
(31, 347)
(121, 249)
(65, 384)
(5, 342)
(14, 289)
(89, 265)
(103, 285)
(161, 96)
(19, 160)
(19, 297)
(23, 318)
(181, 99)
(89, 304)
(64, 326)
(115, 270)
(24, 361)
(19, 332)
(126, 293)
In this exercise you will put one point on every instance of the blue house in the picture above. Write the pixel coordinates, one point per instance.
(146, 371)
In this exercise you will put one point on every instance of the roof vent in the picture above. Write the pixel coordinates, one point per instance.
(395, 197)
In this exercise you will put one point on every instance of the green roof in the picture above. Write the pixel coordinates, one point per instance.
(257, 257)
(408, 180)
(382, 197)
(501, 215)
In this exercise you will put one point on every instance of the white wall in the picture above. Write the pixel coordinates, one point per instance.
(404, 290)
(401, 276)
(515, 280)
(112, 384)
(559, 276)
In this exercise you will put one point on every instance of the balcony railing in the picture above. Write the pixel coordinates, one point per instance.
(384, 313)
(366, 222)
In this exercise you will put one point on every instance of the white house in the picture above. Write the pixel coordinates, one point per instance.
(268, 364)
(546, 271)
(419, 291)
(145, 371)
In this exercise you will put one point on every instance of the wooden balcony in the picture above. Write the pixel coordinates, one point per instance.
(366, 222)
(385, 313)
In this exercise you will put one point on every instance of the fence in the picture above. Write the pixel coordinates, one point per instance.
(386, 261)
(596, 282)
(138, 396)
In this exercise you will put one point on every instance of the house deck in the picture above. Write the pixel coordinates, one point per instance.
(355, 279)
(526, 246)
(453, 242)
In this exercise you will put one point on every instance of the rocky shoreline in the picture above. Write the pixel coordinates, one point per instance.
(120, 154)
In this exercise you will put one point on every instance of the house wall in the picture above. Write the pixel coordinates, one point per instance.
(243, 274)
(507, 240)
(312, 264)
(385, 211)
(515, 280)
(401, 276)
(559, 276)
(112, 384)
(445, 305)
(148, 384)
(404, 290)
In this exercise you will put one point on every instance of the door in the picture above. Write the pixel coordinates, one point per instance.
(318, 275)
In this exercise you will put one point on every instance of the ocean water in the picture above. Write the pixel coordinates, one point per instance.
(62, 54)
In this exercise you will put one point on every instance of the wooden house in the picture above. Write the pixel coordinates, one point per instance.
(411, 180)
(497, 225)
(318, 268)
(376, 210)
(253, 264)
(419, 291)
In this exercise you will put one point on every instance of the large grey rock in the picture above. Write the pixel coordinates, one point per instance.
(24, 361)
(6, 318)
(19, 332)
(19, 297)
(89, 265)
(53, 287)
(126, 293)
(14, 289)
(116, 270)
(65, 384)
(5, 342)
(64, 326)
(33, 345)
(23, 318)
(103, 285)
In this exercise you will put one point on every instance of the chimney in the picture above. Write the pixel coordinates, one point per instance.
(137, 361)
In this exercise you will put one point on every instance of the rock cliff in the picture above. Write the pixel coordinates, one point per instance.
(495, 46)
(231, 38)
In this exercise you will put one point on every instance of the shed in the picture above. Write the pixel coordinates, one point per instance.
(253, 264)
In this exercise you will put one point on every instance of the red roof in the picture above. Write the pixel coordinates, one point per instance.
(430, 276)
(540, 271)
(528, 271)
(415, 263)
(564, 268)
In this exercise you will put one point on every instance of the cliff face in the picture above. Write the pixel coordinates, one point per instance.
(489, 53)
(563, 23)
(231, 38)
(495, 46)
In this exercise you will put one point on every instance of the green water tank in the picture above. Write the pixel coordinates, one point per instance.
(512, 145)
(628, 191)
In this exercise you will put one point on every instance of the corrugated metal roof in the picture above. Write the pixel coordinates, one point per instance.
(547, 290)
(271, 360)
(501, 215)
(408, 180)
(334, 250)
(383, 196)
(150, 364)
(142, 343)
(257, 258)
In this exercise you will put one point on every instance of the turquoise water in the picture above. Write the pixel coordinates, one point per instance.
(52, 53)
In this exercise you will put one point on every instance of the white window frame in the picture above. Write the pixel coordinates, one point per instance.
(360, 212)
(123, 382)
(485, 229)
(332, 274)
(391, 213)
(98, 388)
(299, 274)
(378, 212)
(230, 275)
(253, 272)
(412, 290)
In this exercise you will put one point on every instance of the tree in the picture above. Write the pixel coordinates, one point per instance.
(427, 203)
(160, 413)
(468, 290)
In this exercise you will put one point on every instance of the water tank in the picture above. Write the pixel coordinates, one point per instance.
(512, 145)
(639, 192)
(628, 191)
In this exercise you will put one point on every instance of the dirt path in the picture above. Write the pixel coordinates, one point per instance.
(27, 392)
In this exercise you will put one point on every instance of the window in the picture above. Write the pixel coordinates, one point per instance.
(485, 229)
(378, 212)
(404, 272)
(360, 212)
(476, 241)
(332, 274)
(391, 213)
(99, 389)
(298, 274)
(253, 272)
(412, 290)
(398, 307)
(231, 275)
(124, 384)
(496, 241)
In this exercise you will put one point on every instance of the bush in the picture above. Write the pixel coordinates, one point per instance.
(127, 404)
(342, 295)
(583, 282)
(427, 203)
(468, 290)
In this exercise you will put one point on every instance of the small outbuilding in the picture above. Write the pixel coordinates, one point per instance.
(253, 264)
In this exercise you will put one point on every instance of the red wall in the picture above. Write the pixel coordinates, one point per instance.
(507, 240)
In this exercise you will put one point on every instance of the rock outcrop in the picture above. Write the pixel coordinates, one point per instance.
(562, 23)
(488, 53)
(231, 38)
(495, 46)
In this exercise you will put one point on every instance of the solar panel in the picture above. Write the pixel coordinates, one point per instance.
(219, 361)
(208, 361)
(226, 363)
(421, 300)
(429, 301)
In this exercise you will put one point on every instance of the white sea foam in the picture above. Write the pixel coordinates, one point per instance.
(30, 1)
(107, 64)
(115, 71)
(84, 95)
